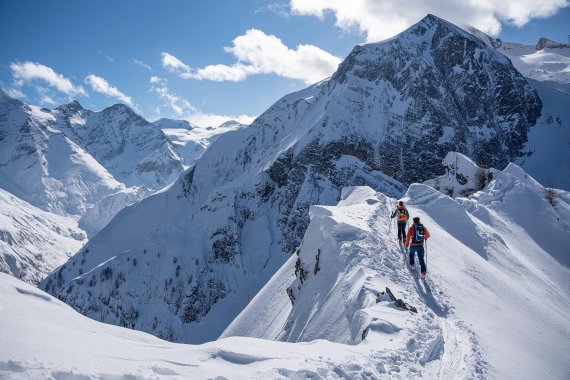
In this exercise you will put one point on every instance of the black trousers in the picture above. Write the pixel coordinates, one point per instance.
(402, 231)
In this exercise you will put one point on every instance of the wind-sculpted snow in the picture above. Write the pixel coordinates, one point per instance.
(44, 338)
(213, 239)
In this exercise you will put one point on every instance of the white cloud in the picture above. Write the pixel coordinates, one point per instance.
(47, 100)
(156, 79)
(179, 105)
(280, 9)
(211, 120)
(29, 71)
(141, 64)
(183, 109)
(99, 84)
(260, 53)
(106, 56)
(379, 20)
(14, 93)
(173, 64)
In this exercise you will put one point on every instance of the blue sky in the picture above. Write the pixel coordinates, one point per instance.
(210, 60)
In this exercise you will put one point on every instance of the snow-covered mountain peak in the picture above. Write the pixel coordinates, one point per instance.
(421, 82)
(165, 123)
(71, 107)
(545, 43)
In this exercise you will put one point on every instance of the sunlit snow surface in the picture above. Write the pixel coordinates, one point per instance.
(495, 304)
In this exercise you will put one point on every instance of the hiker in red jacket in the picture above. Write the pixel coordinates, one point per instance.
(417, 234)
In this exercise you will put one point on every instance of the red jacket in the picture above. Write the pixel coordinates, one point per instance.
(411, 233)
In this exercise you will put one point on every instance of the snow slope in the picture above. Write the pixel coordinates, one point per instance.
(495, 304)
(548, 145)
(42, 338)
(191, 141)
(34, 242)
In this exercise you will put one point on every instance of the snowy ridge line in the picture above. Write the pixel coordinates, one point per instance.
(484, 333)
(469, 307)
(368, 261)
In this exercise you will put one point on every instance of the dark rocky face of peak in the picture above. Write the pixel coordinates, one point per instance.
(441, 89)
(118, 108)
(547, 43)
(173, 123)
(72, 107)
(6, 101)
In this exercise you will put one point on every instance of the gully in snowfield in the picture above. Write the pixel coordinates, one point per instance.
(417, 234)
(403, 217)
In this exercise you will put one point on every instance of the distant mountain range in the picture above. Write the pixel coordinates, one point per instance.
(83, 167)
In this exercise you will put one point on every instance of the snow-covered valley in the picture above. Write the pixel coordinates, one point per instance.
(494, 304)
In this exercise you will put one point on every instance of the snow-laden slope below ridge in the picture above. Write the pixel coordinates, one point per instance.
(470, 323)
(34, 242)
(548, 146)
(41, 337)
(495, 304)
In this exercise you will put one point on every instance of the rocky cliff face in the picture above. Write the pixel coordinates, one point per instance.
(183, 263)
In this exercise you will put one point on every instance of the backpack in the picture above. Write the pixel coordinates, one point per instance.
(418, 233)
(402, 214)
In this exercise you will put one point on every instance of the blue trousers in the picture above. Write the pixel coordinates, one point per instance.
(420, 250)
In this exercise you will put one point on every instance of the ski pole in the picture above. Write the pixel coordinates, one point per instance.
(426, 254)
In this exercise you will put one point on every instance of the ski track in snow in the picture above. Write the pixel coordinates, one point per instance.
(455, 344)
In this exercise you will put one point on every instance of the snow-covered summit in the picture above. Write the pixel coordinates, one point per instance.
(416, 91)
(191, 141)
(71, 108)
(43, 166)
(165, 123)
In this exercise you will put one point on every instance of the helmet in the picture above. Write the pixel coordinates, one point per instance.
(401, 203)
